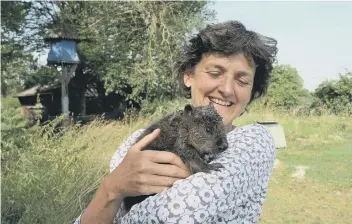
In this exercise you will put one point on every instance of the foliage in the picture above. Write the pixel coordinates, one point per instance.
(40, 76)
(15, 60)
(286, 88)
(128, 46)
(159, 108)
(13, 131)
(131, 44)
(335, 95)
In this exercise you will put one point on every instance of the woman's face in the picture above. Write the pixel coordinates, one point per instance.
(225, 81)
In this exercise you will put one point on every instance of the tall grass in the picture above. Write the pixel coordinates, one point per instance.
(53, 176)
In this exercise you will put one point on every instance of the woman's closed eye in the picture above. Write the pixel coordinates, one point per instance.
(243, 82)
(214, 73)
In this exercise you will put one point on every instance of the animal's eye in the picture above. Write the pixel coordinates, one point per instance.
(208, 130)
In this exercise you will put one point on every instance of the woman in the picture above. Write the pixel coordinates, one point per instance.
(229, 66)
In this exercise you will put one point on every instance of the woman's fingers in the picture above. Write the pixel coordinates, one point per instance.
(167, 170)
(148, 181)
(147, 140)
(165, 157)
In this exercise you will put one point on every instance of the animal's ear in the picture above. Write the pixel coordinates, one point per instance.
(188, 109)
(174, 120)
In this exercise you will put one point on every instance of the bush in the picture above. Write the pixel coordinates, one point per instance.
(335, 95)
(159, 108)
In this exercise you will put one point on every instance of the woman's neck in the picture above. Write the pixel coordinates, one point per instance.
(229, 128)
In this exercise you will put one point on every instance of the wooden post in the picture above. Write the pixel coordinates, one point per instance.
(66, 75)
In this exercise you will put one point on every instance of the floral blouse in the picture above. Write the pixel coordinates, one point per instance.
(235, 194)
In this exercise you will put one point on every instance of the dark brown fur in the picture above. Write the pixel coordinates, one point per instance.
(194, 134)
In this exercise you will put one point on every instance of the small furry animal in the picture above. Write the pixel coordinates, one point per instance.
(195, 134)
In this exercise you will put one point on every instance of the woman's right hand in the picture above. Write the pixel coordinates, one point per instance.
(144, 172)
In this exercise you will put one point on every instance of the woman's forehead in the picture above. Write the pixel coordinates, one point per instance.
(219, 60)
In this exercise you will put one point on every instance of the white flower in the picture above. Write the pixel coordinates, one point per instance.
(201, 215)
(198, 182)
(210, 178)
(227, 185)
(230, 214)
(185, 188)
(230, 199)
(241, 145)
(193, 201)
(150, 206)
(134, 215)
(222, 205)
(212, 209)
(206, 195)
(220, 220)
(186, 219)
(153, 220)
(163, 212)
(224, 173)
(176, 207)
(173, 192)
(141, 214)
(160, 200)
(245, 156)
(218, 191)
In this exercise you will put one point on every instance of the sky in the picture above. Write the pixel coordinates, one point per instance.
(313, 37)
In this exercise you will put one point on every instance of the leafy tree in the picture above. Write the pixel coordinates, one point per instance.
(286, 89)
(15, 60)
(128, 47)
(335, 95)
(132, 43)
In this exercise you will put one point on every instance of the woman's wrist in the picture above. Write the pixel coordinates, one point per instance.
(111, 189)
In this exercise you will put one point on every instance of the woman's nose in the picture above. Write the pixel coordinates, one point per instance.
(226, 86)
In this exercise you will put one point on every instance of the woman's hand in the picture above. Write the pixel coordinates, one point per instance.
(141, 171)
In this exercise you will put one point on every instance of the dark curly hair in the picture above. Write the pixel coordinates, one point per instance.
(228, 38)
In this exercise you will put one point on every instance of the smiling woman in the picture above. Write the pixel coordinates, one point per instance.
(225, 81)
(229, 66)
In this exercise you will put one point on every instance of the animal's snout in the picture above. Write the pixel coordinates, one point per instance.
(222, 144)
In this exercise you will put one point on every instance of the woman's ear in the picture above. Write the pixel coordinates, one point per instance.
(187, 79)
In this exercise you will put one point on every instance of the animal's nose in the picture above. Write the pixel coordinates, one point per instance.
(222, 143)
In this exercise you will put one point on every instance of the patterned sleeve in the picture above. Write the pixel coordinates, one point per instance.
(234, 194)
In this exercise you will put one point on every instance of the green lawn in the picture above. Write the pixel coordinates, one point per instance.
(325, 193)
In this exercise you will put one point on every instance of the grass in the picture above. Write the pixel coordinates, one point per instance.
(325, 194)
(51, 179)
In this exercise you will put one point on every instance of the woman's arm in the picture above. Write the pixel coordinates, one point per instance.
(204, 198)
(139, 173)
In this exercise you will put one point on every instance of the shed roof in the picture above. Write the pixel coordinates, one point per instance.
(35, 89)
(62, 31)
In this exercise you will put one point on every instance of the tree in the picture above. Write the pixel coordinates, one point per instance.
(15, 60)
(286, 88)
(129, 46)
(335, 95)
(133, 43)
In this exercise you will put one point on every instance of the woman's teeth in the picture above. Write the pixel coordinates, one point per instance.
(220, 102)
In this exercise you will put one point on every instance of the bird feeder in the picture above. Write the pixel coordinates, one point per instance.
(63, 46)
(63, 52)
